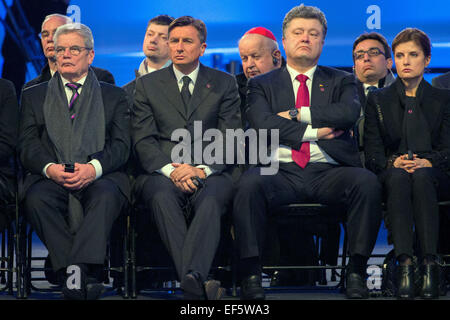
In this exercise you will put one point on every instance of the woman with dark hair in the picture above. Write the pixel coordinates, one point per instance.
(407, 143)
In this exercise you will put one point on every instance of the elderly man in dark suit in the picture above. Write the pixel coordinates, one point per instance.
(313, 109)
(48, 29)
(167, 100)
(74, 141)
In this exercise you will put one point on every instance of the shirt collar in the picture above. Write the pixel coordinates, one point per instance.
(193, 75)
(294, 73)
(81, 81)
(145, 69)
(365, 85)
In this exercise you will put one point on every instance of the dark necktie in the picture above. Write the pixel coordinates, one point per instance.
(370, 89)
(74, 87)
(185, 93)
(302, 156)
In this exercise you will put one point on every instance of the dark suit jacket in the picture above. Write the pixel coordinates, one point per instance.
(159, 110)
(334, 103)
(101, 74)
(36, 150)
(386, 81)
(442, 81)
(9, 125)
(380, 145)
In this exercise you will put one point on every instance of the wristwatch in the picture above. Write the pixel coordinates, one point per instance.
(293, 114)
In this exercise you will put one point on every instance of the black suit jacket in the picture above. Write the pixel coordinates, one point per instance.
(101, 74)
(442, 81)
(334, 103)
(159, 110)
(36, 150)
(380, 144)
(9, 125)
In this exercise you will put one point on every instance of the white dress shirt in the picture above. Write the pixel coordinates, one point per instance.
(317, 154)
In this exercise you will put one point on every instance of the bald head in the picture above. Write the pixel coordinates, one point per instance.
(259, 54)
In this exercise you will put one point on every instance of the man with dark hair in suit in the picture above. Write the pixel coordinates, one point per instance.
(372, 63)
(155, 48)
(73, 144)
(48, 29)
(313, 109)
(442, 81)
(9, 122)
(186, 196)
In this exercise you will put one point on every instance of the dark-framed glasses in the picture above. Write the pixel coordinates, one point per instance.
(74, 50)
(372, 52)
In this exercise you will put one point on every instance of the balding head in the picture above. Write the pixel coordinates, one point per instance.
(259, 54)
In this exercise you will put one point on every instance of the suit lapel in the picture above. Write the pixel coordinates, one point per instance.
(171, 91)
(321, 85)
(202, 88)
(283, 88)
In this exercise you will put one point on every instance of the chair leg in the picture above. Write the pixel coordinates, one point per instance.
(125, 261)
(133, 261)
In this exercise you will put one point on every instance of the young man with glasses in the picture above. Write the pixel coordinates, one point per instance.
(372, 64)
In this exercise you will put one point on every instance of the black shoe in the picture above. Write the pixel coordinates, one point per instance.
(405, 282)
(94, 289)
(430, 281)
(251, 288)
(193, 287)
(356, 287)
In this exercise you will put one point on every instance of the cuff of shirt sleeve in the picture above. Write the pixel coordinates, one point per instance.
(208, 170)
(166, 170)
(305, 115)
(310, 134)
(98, 168)
(44, 171)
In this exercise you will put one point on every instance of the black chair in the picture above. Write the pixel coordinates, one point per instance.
(317, 218)
(8, 245)
(155, 271)
(25, 259)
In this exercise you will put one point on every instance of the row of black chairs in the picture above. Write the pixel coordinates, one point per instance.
(122, 263)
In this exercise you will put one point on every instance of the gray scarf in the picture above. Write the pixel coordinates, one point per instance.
(75, 141)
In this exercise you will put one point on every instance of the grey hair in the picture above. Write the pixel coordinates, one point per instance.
(56, 15)
(305, 12)
(78, 28)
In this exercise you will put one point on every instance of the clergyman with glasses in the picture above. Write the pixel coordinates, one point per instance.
(48, 29)
(73, 144)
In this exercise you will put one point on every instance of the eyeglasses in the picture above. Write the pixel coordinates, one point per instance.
(372, 52)
(74, 50)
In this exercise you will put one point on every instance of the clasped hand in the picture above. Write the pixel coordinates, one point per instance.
(410, 166)
(183, 174)
(83, 175)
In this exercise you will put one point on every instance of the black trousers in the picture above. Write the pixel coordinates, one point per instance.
(46, 205)
(357, 188)
(412, 204)
(192, 247)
